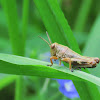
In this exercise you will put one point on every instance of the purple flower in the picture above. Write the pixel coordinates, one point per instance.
(66, 86)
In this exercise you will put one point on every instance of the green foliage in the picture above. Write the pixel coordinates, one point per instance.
(13, 27)
(83, 15)
(61, 33)
(6, 80)
(23, 21)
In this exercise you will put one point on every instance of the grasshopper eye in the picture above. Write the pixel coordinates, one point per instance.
(52, 46)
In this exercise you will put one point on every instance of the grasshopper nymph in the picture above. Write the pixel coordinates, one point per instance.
(75, 60)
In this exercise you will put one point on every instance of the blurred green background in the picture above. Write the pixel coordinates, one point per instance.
(21, 22)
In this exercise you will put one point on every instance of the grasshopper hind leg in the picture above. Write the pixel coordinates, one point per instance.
(69, 61)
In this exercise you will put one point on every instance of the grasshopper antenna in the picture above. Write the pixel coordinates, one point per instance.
(44, 40)
(48, 37)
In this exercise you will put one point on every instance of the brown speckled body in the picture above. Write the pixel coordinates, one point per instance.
(77, 60)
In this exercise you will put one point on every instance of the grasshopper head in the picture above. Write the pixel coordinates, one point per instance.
(53, 49)
(52, 46)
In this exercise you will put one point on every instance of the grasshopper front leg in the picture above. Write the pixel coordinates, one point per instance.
(52, 57)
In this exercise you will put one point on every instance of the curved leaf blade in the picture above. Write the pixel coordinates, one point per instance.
(12, 64)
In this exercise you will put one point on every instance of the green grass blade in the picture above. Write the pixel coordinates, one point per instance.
(25, 20)
(13, 27)
(59, 31)
(19, 94)
(12, 64)
(82, 15)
